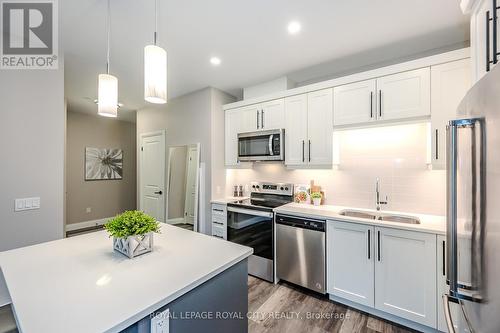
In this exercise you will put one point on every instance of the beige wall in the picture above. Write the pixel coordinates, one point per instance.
(194, 118)
(105, 198)
(32, 125)
(395, 154)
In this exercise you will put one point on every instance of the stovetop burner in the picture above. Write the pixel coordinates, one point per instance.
(266, 196)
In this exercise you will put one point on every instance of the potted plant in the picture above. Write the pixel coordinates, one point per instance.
(132, 232)
(316, 198)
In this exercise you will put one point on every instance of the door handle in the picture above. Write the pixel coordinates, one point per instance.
(369, 247)
(257, 119)
(380, 103)
(271, 151)
(158, 192)
(309, 151)
(447, 314)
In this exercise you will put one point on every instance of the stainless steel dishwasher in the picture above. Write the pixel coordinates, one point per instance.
(300, 251)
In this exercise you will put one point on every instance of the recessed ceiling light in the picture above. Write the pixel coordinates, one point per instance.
(294, 27)
(215, 61)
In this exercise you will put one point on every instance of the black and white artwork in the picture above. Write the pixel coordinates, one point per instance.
(103, 163)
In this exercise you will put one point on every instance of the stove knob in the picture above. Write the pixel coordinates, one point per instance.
(281, 188)
(257, 186)
(286, 188)
(253, 186)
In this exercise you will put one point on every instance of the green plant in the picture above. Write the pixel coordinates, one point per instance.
(130, 223)
(316, 195)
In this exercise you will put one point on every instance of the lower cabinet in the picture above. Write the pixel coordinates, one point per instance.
(219, 221)
(391, 270)
(350, 266)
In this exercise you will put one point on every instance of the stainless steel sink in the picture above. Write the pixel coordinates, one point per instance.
(380, 216)
(359, 214)
(399, 219)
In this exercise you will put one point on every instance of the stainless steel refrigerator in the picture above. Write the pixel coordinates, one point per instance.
(473, 211)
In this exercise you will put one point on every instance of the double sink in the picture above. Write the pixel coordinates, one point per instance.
(380, 216)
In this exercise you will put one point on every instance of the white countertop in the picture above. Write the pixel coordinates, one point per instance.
(80, 284)
(226, 200)
(428, 223)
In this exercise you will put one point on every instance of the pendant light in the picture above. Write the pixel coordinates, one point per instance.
(107, 104)
(155, 69)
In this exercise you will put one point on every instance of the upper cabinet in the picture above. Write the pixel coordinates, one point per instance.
(309, 129)
(355, 103)
(484, 51)
(272, 115)
(404, 95)
(393, 97)
(450, 82)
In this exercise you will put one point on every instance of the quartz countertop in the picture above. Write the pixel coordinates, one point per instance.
(80, 284)
(434, 224)
(226, 200)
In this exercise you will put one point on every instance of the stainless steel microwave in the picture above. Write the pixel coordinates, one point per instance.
(262, 146)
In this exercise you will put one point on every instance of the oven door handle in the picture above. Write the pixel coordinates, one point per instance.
(249, 212)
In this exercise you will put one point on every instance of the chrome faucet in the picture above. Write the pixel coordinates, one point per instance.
(377, 192)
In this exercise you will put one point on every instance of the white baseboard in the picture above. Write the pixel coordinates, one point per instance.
(86, 224)
(176, 221)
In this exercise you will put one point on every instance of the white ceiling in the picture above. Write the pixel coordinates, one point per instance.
(249, 36)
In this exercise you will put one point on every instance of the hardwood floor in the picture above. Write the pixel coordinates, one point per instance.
(286, 308)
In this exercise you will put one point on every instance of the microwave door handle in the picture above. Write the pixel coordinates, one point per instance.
(271, 152)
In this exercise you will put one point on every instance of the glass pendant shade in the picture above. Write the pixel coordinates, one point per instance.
(155, 74)
(107, 105)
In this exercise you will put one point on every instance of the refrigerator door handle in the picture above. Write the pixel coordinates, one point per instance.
(447, 314)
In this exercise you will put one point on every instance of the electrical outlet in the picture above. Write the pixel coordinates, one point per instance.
(88, 210)
(160, 322)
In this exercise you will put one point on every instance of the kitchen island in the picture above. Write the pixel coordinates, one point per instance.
(81, 285)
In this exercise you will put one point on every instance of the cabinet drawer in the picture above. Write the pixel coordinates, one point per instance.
(219, 210)
(219, 232)
(218, 222)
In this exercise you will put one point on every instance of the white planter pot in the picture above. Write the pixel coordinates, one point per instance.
(316, 201)
(134, 246)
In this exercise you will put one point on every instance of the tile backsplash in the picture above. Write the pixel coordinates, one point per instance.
(395, 154)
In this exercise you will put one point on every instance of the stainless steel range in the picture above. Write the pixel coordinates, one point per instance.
(250, 223)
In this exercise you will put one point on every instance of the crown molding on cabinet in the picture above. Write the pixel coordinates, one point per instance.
(383, 71)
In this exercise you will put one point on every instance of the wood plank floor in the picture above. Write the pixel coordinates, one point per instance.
(287, 308)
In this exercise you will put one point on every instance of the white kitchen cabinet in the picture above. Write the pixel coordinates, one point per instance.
(309, 129)
(351, 264)
(249, 118)
(320, 127)
(478, 38)
(355, 103)
(404, 95)
(405, 274)
(219, 221)
(272, 115)
(295, 129)
(450, 82)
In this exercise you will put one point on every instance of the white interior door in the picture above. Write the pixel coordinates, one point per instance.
(152, 174)
(191, 185)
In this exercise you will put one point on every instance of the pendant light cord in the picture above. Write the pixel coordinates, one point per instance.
(156, 23)
(108, 27)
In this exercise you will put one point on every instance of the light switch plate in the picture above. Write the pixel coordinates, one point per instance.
(26, 204)
(160, 322)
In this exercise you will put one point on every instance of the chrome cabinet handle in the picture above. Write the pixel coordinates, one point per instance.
(369, 247)
(495, 31)
(219, 223)
(437, 144)
(444, 258)
(258, 119)
(380, 103)
(309, 151)
(378, 245)
(158, 192)
(303, 154)
(371, 104)
(447, 314)
(488, 19)
(262, 118)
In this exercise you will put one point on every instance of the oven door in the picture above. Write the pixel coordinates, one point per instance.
(253, 228)
(261, 146)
